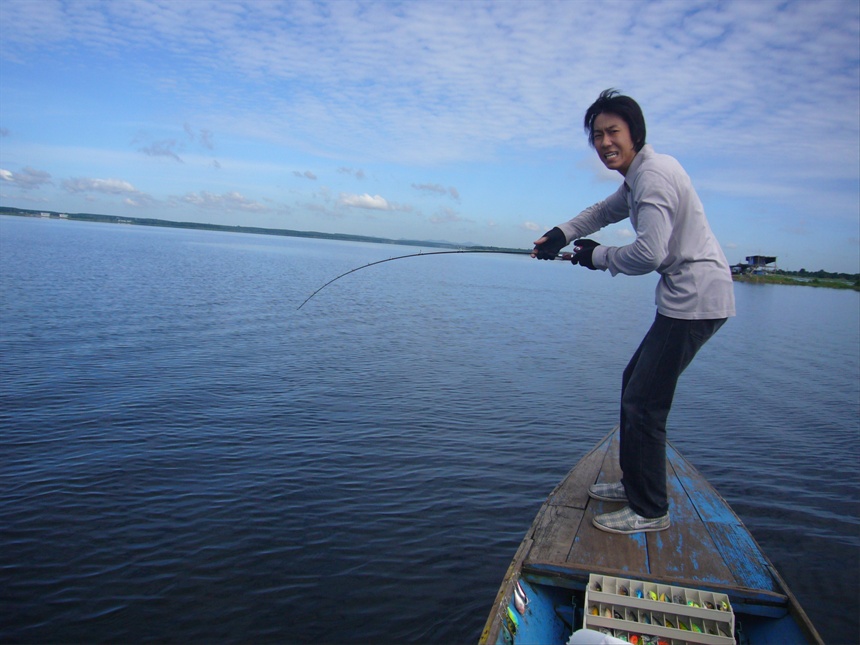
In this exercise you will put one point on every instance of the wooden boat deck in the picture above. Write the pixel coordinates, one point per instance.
(718, 551)
(707, 546)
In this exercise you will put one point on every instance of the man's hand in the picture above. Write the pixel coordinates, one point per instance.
(584, 250)
(548, 246)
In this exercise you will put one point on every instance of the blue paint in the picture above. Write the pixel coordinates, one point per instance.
(542, 622)
(642, 541)
(734, 542)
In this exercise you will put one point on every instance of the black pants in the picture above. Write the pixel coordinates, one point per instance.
(647, 390)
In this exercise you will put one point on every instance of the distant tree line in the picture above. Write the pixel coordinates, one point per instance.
(113, 219)
(820, 274)
(146, 221)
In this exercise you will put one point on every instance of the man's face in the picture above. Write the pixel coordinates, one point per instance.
(613, 142)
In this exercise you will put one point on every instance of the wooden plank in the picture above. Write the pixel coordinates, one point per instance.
(731, 538)
(555, 533)
(693, 549)
(595, 548)
(575, 541)
(686, 550)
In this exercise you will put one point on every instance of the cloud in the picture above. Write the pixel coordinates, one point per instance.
(447, 216)
(438, 189)
(232, 201)
(532, 227)
(204, 138)
(171, 147)
(307, 174)
(434, 81)
(430, 188)
(162, 148)
(358, 174)
(323, 209)
(376, 202)
(118, 187)
(107, 186)
(27, 179)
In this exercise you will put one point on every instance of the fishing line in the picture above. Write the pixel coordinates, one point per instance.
(412, 255)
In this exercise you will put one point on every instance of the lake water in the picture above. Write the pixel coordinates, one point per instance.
(185, 457)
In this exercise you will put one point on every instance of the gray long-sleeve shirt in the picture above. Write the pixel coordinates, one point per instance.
(672, 237)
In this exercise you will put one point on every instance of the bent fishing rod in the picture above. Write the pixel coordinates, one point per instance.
(562, 256)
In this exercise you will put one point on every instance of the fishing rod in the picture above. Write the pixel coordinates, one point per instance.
(563, 256)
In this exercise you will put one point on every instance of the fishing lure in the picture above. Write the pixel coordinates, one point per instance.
(509, 639)
(415, 255)
(652, 595)
(512, 621)
(521, 601)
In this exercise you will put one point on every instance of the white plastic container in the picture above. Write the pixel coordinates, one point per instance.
(626, 608)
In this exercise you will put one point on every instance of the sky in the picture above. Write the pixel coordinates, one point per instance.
(434, 120)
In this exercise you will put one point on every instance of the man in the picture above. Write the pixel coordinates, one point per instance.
(694, 296)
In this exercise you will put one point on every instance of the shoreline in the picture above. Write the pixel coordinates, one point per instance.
(827, 283)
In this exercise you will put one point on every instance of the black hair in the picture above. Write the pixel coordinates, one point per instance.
(613, 102)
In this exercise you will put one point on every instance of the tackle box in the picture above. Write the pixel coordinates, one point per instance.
(647, 612)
